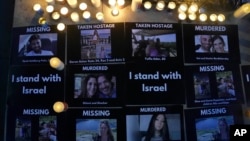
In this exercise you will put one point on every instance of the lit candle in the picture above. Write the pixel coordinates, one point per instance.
(60, 26)
(115, 11)
(147, 5)
(72, 3)
(96, 3)
(160, 5)
(50, 8)
(50, 1)
(64, 10)
(112, 3)
(56, 63)
(86, 15)
(136, 4)
(83, 6)
(55, 15)
(74, 17)
(37, 7)
(120, 3)
(60, 106)
(99, 16)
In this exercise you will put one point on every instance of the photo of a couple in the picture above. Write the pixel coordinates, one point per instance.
(95, 86)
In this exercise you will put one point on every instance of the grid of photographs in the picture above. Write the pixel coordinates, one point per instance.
(126, 81)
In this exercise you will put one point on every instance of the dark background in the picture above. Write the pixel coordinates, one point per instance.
(6, 14)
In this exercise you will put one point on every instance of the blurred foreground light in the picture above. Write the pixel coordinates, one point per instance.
(56, 63)
(242, 11)
(42, 21)
(203, 17)
(60, 106)
(60, 26)
(221, 18)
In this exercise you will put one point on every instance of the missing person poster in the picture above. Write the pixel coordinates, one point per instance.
(36, 45)
(211, 43)
(155, 83)
(245, 69)
(34, 123)
(26, 85)
(95, 85)
(154, 42)
(95, 43)
(93, 124)
(211, 85)
(211, 123)
(145, 122)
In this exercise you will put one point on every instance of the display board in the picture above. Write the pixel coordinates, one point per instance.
(211, 85)
(36, 44)
(126, 79)
(211, 43)
(96, 43)
(208, 123)
(157, 42)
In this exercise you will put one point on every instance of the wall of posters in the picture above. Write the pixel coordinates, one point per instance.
(124, 80)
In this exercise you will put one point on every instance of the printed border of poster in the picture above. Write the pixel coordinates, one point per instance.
(29, 86)
(26, 41)
(155, 83)
(164, 38)
(213, 85)
(24, 122)
(202, 122)
(96, 43)
(245, 69)
(218, 35)
(92, 117)
(95, 85)
(138, 118)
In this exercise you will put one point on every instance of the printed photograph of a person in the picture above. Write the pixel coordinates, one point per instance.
(211, 44)
(157, 129)
(38, 45)
(96, 130)
(201, 85)
(153, 43)
(213, 128)
(95, 86)
(95, 44)
(23, 129)
(225, 84)
(47, 128)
